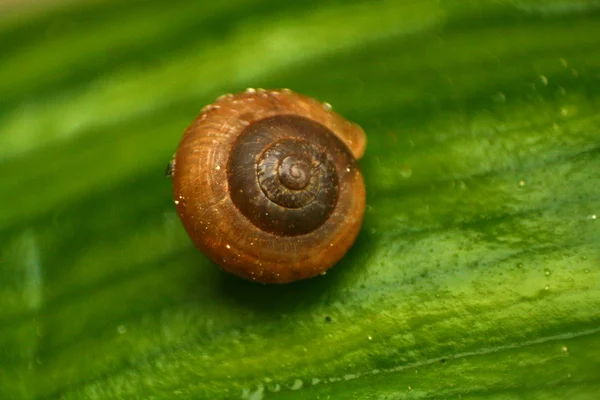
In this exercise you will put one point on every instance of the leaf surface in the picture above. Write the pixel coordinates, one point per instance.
(476, 273)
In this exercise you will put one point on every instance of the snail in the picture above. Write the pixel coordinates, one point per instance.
(267, 185)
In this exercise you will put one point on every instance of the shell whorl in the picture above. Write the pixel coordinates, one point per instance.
(281, 176)
(267, 184)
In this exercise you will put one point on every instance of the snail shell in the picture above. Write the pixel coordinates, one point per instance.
(267, 185)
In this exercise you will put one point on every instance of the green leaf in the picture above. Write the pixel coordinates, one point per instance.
(477, 271)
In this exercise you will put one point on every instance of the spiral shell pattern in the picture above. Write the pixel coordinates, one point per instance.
(267, 185)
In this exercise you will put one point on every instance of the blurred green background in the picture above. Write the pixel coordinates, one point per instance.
(476, 273)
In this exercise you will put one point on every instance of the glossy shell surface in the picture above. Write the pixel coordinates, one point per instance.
(266, 250)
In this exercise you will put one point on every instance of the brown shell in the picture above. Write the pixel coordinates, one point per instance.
(221, 231)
